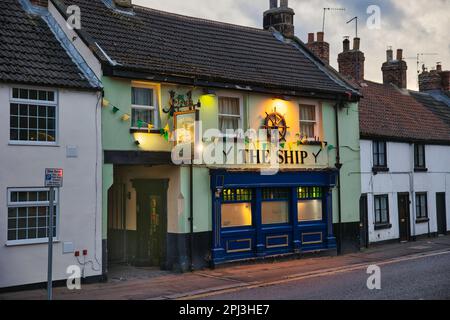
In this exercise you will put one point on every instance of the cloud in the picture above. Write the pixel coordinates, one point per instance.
(416, 26)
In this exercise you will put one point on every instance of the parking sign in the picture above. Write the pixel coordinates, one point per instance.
(54, 178)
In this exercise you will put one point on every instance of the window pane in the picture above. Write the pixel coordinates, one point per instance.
(236, 215)
(143, 116)
(275, 212)
(307, 130)
(228, 123)
(307, 113)
(232, 195)
(275, 194)
(142, 96)
(229, 106)
(310, 210)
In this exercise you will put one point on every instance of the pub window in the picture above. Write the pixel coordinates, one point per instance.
(421, 206)
(381, 210)
(28, 213)
(230, 117)
(33, 116)
(308, 121)
(236, 208)
(379, 154)
(310, 206)
(419, 156)
(144, 107)
(275, 206)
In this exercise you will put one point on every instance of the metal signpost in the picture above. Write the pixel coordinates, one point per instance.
(53, 179)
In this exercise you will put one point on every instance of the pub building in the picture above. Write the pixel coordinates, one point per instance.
(162, 72)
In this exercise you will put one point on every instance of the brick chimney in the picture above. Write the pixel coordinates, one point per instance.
(394, 71)
(40, 3)
(280, 17)
(351, 62)
(434, 79)
(320, 48)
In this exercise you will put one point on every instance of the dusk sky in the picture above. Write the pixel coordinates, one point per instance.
(416, 26)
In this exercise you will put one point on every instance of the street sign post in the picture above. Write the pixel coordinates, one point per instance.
(53, 179)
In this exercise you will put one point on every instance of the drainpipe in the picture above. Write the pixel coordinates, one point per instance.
(191, 216)
(339, 167)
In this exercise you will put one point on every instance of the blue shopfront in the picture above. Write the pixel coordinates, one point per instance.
(257, 216)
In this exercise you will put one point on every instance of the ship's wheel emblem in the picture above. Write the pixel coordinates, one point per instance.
(276, 122)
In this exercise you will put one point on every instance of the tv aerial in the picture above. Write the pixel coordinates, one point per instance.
(325, 10)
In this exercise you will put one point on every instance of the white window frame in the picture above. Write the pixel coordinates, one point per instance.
(240, 116)
(11, 204)
(155, 108)
(316, 122)
(54, 103)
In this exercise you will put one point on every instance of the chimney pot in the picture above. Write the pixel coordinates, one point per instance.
(356, 44)
(439, 67)
(284, 3)
(346, 45)
(273, 4)
(310, 37)
(389, 55)
(320, 37)
(399, 54)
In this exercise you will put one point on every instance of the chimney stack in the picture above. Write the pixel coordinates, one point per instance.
(320, 48)
(351, 62)
(434, 80)
(280, 18)
(394, 71)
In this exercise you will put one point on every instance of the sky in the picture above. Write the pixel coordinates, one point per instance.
(416, 26)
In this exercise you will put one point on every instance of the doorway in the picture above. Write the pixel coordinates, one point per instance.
(364, 224)
(151, 217)
(441, 213)
(404, 216)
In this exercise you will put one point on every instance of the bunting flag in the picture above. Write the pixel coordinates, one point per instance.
(282, 145)
(150, 127)
(165, 132)
(140, 124)
(115, 109)
(331, 147)
(105, 103)
(125, 117)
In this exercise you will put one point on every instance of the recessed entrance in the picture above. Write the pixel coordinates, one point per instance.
(137, 222)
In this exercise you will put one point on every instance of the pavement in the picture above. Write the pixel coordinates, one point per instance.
(425, 263)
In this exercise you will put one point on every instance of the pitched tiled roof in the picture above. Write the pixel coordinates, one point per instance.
(30, 53)
(439, 108)
(169, 44)
(389, 113)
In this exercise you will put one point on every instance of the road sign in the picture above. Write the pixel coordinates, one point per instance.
(54, 178)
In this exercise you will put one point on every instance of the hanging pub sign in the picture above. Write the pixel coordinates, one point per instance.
(179, 103)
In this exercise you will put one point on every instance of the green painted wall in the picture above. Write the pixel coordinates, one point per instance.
(117, 136)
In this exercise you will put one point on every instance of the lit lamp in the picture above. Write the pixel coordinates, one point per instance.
(209, 92)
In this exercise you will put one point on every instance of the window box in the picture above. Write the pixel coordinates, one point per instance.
(422, 220)
(153, 131)
(385, 226)
(376, 170)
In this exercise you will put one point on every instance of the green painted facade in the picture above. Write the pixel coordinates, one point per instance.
(117, 137)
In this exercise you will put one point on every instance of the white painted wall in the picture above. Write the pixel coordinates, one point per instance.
(80, 198)
(402, 179)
